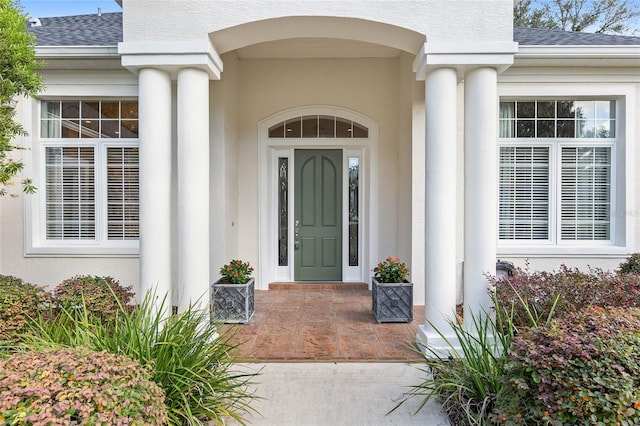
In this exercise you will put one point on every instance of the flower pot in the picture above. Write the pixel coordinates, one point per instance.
(392, 302)
(232, 303)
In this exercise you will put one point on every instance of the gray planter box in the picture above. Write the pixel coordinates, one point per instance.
(232, 303)
(392, 302)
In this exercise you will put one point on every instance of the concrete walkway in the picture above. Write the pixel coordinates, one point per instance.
(330, 394)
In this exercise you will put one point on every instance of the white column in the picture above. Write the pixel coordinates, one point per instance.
(480, 188)
(193, 187)
(440, 200)
(155, 183)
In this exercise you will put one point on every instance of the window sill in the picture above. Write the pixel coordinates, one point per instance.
(81, 251)
(564, 251)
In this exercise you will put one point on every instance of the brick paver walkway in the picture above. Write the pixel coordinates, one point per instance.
(326, 323)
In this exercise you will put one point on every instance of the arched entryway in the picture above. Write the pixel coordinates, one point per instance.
(318, 181)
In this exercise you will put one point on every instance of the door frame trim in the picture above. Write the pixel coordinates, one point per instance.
(269, 150)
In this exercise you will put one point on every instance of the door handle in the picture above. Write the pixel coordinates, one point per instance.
(296, 235)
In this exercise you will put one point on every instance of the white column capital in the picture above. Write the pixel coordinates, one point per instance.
(463, 57)
(171, 57)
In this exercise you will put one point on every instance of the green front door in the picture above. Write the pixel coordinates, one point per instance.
(318, 215)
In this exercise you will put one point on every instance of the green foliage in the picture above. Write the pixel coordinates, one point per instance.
(391, 271)
(582, 369)
(466, 382)
(186, 357)
(631, 265)
(78, 386)
(537, 295)
(236, 272)
(599, 16)
(102, 296)
(19, 77)
(19, 302)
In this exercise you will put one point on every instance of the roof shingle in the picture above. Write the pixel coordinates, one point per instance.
(80, 30)
(106, 30)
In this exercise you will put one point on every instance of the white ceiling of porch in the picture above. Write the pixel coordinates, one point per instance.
(316, 48)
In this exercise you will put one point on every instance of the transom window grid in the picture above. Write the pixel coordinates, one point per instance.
(556, 190)
(318, 126)
(75, 119)
(91, 180)
(582, 119)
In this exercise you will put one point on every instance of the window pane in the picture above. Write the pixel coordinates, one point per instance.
(566, 128)
(129, 109)
(360, 131)
(546, 128)
(526, 109)
(277, 131)
(524, 193)
(110, 109)
(122, 193)
(70, 185)
(294, 128)
(283, 211)
(310, 127)
(546, 109)
(343, 128)
(586, 189)
(526, 129)
(327, 127)
(566, 109)
(70, 109)
(507, 119)
(354, 209)
(129, 129)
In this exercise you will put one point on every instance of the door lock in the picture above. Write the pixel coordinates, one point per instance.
(296, 236)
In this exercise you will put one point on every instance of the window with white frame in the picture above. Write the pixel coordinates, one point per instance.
(91, 172)
(556, 164)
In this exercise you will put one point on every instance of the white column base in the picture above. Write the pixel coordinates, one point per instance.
(433, 344)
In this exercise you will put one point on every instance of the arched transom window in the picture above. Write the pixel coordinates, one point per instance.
(318, 126)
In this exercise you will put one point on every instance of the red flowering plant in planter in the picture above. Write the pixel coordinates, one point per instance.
(391, 270)
(235, 272)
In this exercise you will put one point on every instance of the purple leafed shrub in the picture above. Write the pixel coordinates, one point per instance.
(19, 302)
(563, 291)
(75, 386)
(96, 292)
(581, 369)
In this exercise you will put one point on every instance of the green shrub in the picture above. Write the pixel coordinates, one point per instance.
(19, 301)
(539, 294)
(631, 265)
(581, 369)
(236, 272)
(96, 293)
(186, 357)
(467, 378)
(76, 386)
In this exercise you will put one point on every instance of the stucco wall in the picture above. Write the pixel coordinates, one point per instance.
(622, 84)
(367, 86)
(50, 271)
(448, 20)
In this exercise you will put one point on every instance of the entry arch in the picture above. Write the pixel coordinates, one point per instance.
(276, 152)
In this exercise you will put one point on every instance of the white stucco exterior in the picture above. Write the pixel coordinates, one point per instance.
(426, 79)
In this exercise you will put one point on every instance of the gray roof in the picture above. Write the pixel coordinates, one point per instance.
(80, 30)
(544, 37)
(106, 30)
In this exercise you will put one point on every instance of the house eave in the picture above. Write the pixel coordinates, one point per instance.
(572, 55)
(46, 52)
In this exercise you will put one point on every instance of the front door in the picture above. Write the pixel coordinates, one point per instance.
(318, 215)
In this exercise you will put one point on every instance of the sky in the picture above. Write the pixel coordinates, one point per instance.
(46, 8)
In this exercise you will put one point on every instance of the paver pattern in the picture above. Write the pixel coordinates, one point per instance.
(323, 323)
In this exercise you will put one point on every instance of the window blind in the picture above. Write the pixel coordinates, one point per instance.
(524, 193)
(122, 193)
(70, 199)
(586, 203)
